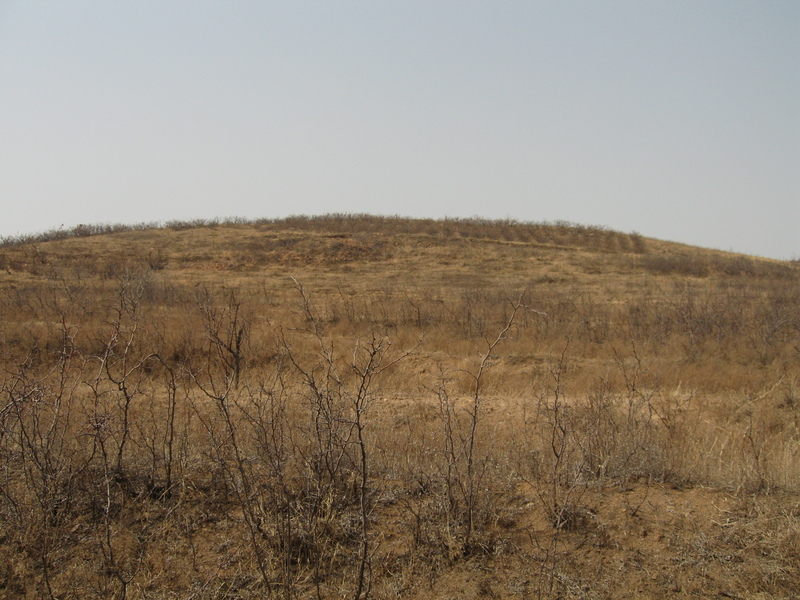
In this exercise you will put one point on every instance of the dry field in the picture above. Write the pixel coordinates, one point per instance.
(367, 407)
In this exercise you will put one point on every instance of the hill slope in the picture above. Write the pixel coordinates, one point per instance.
(355, 405)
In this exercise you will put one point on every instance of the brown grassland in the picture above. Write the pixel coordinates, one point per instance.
(373, 407)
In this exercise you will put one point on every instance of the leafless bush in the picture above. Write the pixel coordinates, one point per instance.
(43, 460)
(464, 462)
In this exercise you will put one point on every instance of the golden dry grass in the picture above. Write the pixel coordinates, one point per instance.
(354, 406)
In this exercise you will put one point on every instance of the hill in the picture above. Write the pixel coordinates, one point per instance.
(382, 407)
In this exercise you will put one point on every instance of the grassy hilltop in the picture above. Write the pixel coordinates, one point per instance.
(354, 406)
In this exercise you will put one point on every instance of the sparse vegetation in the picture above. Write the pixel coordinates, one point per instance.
(376, 407)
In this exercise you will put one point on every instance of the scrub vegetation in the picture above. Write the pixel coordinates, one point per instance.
(363, 407)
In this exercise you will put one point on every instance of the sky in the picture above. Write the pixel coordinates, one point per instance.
(678, 119)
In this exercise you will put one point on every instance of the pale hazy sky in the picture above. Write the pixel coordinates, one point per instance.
(677, 119)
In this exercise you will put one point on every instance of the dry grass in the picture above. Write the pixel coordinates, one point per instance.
(353, 406)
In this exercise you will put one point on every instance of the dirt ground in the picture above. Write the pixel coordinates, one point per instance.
(640, 541)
